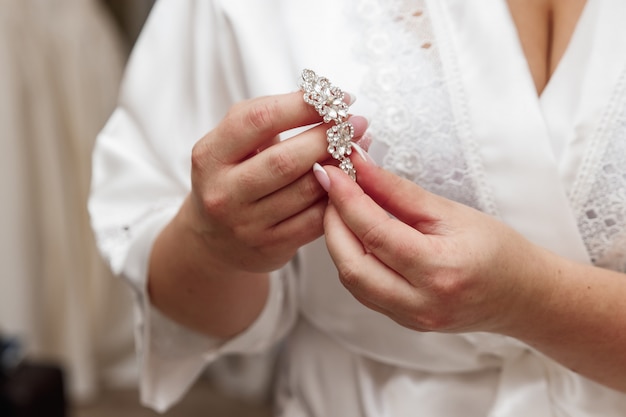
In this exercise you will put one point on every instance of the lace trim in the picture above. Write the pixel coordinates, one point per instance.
(416, 119)
(600, 190)
(425, 138)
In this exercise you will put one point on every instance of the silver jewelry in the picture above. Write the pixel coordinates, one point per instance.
(327, 99)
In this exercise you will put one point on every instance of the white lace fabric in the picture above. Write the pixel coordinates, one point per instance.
(600, 192)
(415, 119)
(416, 122)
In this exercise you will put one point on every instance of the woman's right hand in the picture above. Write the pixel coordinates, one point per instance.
(253, 202)
(254, 199)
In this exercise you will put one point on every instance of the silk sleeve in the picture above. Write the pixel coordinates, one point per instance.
(182, 77)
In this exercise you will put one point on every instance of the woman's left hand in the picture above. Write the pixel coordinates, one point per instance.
(436, 265)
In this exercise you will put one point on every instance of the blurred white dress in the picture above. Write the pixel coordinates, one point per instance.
(60, 67)
(453, 107)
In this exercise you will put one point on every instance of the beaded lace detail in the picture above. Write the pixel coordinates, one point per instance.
(600, 190)
(415, 118)
(416, 122)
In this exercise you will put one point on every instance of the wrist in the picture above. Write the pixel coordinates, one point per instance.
(540, 302)
(189, 282)
(194, 231)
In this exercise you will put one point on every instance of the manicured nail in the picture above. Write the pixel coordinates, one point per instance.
(321, 176)
(349, 98)
(364, 141)
(360, 125)
(364, 155)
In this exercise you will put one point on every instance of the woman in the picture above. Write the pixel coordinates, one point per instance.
(487, 104)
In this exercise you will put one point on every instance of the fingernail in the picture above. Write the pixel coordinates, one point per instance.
(364, 155)
(360, 125)
(364, 141)
(321, 176)
(349, 98)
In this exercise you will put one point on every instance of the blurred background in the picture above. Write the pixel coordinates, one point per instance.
(61, 62)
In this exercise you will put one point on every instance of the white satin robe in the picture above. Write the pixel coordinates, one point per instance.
(453, 107)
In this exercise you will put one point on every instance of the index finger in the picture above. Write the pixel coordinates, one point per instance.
(361, 272)
(250, 124)
(395, 243)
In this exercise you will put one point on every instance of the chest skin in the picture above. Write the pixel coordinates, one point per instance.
(545, 28)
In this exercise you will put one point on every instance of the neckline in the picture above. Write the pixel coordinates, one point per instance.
(574, 104)
(563, 94)
(507, 126)
(575, 43)
(572, 43)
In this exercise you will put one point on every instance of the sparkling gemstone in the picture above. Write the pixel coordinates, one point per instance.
(328, 101)
(339, 139)
(347, 167)
(326, 98)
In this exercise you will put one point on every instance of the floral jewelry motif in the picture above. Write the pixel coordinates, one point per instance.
(347, 167)
(324, 97)
(340, 140)
(327, 99)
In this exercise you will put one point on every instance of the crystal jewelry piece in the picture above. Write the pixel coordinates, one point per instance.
(324, 97)
(339, 139)
(347, 167)
(327, 99)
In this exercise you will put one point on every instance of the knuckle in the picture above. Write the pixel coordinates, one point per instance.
(348, 275)
(310, 189)
(199, 155)
(215, 203)
(282, 164)
(374, 238)
(428, 316)
(203, 152)
(435, 321)
(261, 115)
(448, 287)
(405, 258)
(247, 181)
(316, 224)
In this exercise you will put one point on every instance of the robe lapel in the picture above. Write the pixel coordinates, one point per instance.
(583, 86)
(500, 114)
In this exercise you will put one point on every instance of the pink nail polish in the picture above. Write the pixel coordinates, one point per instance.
(360, 125)
(349, 98)
(364, 155)
(321, 176)
(364, 141)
